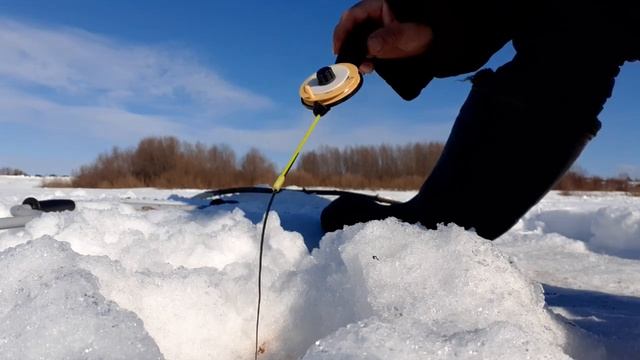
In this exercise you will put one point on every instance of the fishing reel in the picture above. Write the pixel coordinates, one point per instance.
(330, 86)
(335, 84)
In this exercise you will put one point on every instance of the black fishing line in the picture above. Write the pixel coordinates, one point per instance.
(318, 96)
(264, 227)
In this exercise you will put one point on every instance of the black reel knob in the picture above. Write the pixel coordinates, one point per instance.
(325, 75)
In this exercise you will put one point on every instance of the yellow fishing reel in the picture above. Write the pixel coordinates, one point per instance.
(330, 86)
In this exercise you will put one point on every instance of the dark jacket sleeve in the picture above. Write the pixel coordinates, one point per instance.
(465, 35)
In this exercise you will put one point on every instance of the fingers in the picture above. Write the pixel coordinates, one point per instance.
(366, 67)
(399, 40)
(387, 15)
(394, 40)
(366, 9)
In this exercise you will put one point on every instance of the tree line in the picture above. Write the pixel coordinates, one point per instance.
(11, 171)
(166, 162)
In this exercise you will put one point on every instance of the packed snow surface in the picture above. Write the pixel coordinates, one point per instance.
(145, 274)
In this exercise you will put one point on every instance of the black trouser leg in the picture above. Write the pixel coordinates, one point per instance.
(502, 157)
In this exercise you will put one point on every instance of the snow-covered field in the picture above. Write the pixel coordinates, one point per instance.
(111, 281)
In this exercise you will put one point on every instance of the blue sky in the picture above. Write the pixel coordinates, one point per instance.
(79, 77)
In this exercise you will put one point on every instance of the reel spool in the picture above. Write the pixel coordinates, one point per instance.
(330, 86)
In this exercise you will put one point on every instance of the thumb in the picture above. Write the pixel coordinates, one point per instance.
(399, 40)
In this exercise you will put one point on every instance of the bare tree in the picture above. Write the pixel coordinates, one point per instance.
(256, 169)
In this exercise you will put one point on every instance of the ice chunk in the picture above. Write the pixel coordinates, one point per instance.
(52, 309)
(616, 230)
(437, 294)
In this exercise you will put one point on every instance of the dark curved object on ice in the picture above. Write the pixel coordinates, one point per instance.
(216, 194)
(54, 205)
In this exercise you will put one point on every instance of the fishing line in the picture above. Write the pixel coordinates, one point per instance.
(329, 86)
(277, 185)
(264, 227)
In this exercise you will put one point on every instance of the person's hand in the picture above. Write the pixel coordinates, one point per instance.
(394, 40)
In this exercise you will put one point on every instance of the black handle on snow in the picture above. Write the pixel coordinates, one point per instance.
(55, 205)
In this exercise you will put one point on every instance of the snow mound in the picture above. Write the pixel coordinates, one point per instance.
(194, 310)
(52, 309)
(616, 230)
(186, 281)
(436, 294)
(613, 230)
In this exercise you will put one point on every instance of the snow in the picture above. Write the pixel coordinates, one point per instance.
(118, 280)
(52, 308)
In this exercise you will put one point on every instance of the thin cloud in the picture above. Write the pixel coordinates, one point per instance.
(372, 129)
(633, 171)
(71, 65)
(109, 123)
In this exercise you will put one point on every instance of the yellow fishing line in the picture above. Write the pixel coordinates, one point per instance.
(280, 180)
